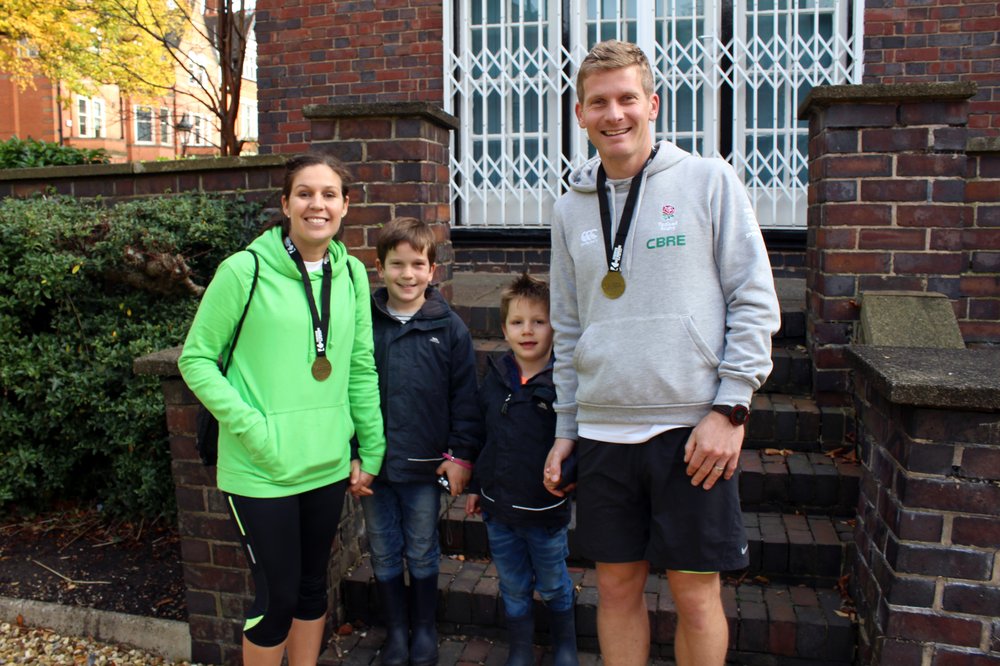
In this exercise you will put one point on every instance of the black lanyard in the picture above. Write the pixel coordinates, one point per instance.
(613, 283)
(321, 322)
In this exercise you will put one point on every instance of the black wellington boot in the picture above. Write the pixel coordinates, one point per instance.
(520, 632)
(563, 637)
(423, 621)
(392, 599)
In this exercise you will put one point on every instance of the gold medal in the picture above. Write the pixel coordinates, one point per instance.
(613, 284)
(321, 368)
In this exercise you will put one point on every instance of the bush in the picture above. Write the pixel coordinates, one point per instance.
(85, 289)
(22, 153)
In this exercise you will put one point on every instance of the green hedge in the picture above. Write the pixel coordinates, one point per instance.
(85, 288)
(22, 153)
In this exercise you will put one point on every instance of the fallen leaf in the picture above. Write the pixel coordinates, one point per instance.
(345, 629)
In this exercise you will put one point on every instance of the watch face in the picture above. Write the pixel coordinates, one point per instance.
(739, 415)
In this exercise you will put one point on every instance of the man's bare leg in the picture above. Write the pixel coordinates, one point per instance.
(622, 618)
(702, 637)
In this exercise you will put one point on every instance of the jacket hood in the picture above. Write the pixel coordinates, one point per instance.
(508, 372)
(584, 178)
(270, 247)
(434, 305)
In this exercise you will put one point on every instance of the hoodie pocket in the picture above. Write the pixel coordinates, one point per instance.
(638, 362)
(305, 443)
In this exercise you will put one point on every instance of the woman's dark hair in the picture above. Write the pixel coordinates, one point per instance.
(300, 162)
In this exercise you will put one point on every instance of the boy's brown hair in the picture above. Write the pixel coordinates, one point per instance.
(406, 230)
(613, 54)
(524, 286)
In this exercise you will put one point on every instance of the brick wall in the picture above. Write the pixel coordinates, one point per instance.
(219, 585)
(902, 196)
(926, 572)
(318, 52)
(937, 41)
(398, 153)
(257, 178)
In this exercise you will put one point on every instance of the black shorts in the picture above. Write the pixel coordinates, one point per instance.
(636, 502)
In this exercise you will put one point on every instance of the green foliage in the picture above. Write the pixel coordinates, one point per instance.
(82, 294)
(21, 153)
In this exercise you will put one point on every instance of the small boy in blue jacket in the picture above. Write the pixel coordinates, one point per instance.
(526, 524)
(427, 381)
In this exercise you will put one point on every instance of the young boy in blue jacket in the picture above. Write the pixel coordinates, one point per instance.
(427, 383)
(527, 525)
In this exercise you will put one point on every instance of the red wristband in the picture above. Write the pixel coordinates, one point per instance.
(457, 461)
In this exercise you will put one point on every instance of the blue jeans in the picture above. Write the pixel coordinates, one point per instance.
(527, 559)
(402, 519)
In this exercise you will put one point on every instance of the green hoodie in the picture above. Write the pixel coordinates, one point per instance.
(281, 432)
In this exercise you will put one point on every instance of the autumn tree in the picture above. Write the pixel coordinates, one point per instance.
(225, 29)
(142, 46)
(71, 41)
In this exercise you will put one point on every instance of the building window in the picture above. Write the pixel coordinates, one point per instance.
(730, 75)
(201, 133)
(166, 133)
(143, 124)
(90, 117)
(248, 121)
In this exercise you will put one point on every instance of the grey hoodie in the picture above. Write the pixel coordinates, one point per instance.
(694, 325)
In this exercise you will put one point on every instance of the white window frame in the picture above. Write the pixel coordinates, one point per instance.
(249, 130)
(166, 127)
(708, 68)
(143, 110)
(90, 117)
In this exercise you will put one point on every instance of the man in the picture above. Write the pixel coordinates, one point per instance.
(663, 307)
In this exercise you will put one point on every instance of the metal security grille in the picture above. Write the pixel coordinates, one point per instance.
(730, 75)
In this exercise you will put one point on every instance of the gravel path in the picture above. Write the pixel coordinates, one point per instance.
(33, 645)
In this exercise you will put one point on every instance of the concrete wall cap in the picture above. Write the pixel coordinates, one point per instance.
(822, 97)
(167, 166)
(943, 378)
(431, 112)
(158, 364)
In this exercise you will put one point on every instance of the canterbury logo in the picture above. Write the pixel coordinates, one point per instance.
(589, 237)
(435, 341)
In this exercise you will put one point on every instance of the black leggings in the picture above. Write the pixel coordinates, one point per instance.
(287, 542)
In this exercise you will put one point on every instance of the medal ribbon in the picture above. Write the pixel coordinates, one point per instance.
(321, 323)
(615, 252)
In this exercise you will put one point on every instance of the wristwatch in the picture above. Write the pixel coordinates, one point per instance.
(738, 414)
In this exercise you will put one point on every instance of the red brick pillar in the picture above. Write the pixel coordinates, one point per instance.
(219, 586)
(926, 572)
(398, 153)
(896, 202)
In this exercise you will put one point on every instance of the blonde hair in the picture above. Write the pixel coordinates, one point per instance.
(613, 54)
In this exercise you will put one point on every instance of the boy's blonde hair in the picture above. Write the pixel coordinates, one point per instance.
(524, 286)
(406, 230)
(613, 54)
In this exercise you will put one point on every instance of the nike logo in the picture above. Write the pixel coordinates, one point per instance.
(743, 550)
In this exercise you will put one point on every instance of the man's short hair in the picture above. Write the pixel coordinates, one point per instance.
(406, 230)
(614, 54)
(524, 286)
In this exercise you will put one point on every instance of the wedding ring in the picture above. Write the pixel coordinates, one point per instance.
(719, 469)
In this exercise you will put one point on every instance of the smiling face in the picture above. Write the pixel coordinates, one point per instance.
(616, 112)
(528, 332)
(406, 273)
(314, 206)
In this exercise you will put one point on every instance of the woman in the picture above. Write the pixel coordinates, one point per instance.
(301, 382)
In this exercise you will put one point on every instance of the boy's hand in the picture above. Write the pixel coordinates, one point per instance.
(472, 505)
(361, 480)
(553, 465)
(458, 476)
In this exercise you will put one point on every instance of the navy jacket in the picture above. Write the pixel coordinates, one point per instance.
(520, 427)
(427, 385)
